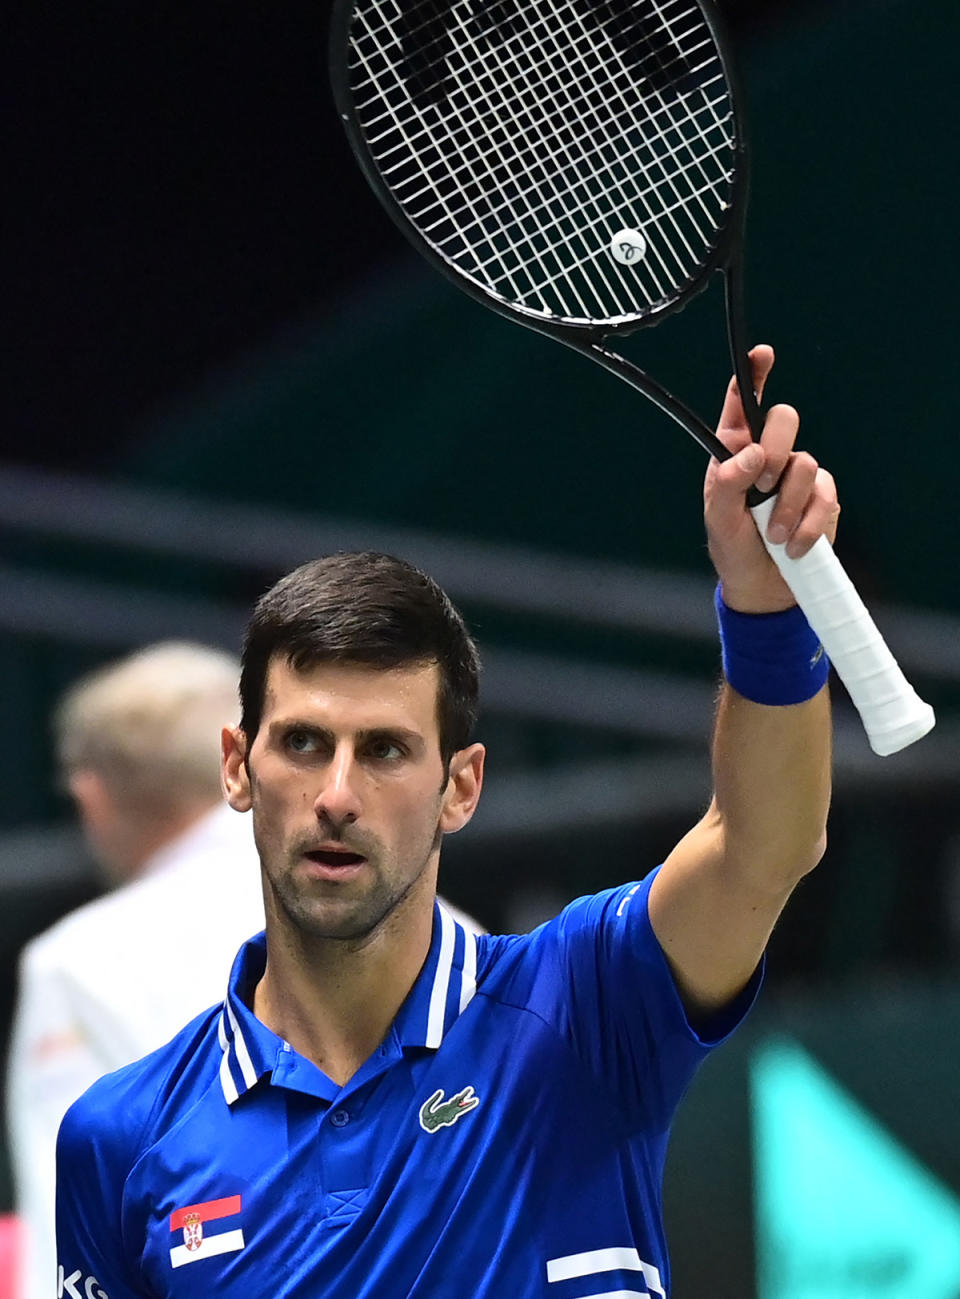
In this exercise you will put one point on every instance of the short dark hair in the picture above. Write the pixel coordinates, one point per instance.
(364, 608)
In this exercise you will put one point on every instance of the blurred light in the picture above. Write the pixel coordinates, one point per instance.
(842, 1210)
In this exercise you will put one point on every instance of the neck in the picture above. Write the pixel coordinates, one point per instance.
(136, 840)
(334, 1000)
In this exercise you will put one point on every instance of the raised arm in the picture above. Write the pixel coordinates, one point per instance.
(718, 895)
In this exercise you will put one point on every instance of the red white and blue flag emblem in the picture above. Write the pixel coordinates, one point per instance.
(198, 1241)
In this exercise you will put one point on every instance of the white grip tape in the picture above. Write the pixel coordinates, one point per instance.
(892, 712)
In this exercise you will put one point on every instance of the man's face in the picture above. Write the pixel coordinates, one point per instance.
(349, 794)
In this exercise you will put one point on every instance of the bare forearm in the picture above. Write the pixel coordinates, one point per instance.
(719, 893)
(772, 779)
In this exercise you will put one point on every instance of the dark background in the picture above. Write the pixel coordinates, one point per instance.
(177, 188)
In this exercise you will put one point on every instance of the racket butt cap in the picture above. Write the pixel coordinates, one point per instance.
(906, 731)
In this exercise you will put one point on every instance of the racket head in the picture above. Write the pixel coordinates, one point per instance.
(515, 142)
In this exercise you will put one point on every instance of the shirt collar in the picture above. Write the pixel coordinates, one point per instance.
(443, 989)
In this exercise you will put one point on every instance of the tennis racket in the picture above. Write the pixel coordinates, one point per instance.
(580, 167)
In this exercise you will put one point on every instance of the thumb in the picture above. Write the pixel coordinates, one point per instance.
(729, 483)
(748, 463)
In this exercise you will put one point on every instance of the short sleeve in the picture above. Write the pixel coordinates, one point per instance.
(620, 1007)
(92, 1166)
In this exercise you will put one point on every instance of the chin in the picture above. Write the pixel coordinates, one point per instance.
(338, 924)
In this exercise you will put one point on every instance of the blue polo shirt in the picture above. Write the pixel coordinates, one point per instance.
(505, 1141)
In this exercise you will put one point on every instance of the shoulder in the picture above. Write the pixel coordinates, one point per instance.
(74, 933)
(588, 932)
(92, 942)
(125, 1112)
(587, 918)
(205, 886)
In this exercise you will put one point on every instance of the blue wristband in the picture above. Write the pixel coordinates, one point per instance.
(771, 658)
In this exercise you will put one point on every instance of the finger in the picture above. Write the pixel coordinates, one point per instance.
(732, 418)
(794, 497)
(779, 435)
(819, 519)
(761, 363)
(728, 485)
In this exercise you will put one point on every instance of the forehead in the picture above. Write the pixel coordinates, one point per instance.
(353, 695)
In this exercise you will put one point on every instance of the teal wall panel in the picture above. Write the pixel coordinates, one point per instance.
(852, 1128)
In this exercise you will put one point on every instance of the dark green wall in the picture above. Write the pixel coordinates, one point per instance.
(415, 405)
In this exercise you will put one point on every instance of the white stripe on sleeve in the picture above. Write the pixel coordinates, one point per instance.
(620, 1294)
(618, 1258)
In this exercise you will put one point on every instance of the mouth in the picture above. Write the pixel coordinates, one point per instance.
(334, 857)
(324, 865)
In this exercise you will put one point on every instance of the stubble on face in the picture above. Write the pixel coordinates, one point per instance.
(347, 911)
(397, 829)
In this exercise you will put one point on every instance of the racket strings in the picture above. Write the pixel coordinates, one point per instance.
(672, 152)
(720, 123)
(619, 139)
(703, 45)
(496, 192)
(526, 153)
(519, 145)
(567, 151)
(572, 155)
(555, 156)
(538, 208)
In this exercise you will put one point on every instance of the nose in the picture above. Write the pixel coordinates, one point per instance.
(338, 800)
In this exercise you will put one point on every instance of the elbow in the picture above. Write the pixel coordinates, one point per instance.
(821, 848)
(783, 866)
(814, 857)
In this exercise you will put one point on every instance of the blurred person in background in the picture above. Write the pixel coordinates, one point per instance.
(138, 748)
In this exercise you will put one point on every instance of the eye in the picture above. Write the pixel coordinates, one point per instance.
(384, 750)
(300, 741)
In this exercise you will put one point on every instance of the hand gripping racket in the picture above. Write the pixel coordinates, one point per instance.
(580, 167)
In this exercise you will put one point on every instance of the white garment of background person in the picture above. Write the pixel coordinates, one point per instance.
(111, 982)
(138, 749)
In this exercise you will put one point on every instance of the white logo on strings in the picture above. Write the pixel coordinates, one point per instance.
(628, 247)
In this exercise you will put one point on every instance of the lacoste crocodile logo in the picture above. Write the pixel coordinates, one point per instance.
(437, 1113)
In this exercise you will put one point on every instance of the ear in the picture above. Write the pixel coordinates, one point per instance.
(95, 804)
(108, 826)
(463, 788)
(234, 775)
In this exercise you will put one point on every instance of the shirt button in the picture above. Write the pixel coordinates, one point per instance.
(339, 1118)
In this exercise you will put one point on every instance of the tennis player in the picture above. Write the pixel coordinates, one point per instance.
(386, 1106)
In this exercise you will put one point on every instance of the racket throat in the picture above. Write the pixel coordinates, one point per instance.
(653, 391)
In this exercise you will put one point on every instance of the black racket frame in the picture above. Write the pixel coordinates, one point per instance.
(726, 255)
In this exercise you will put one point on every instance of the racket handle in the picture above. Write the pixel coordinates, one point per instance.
(892, 712)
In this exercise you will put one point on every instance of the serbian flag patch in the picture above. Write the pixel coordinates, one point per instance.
(198, 1241)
